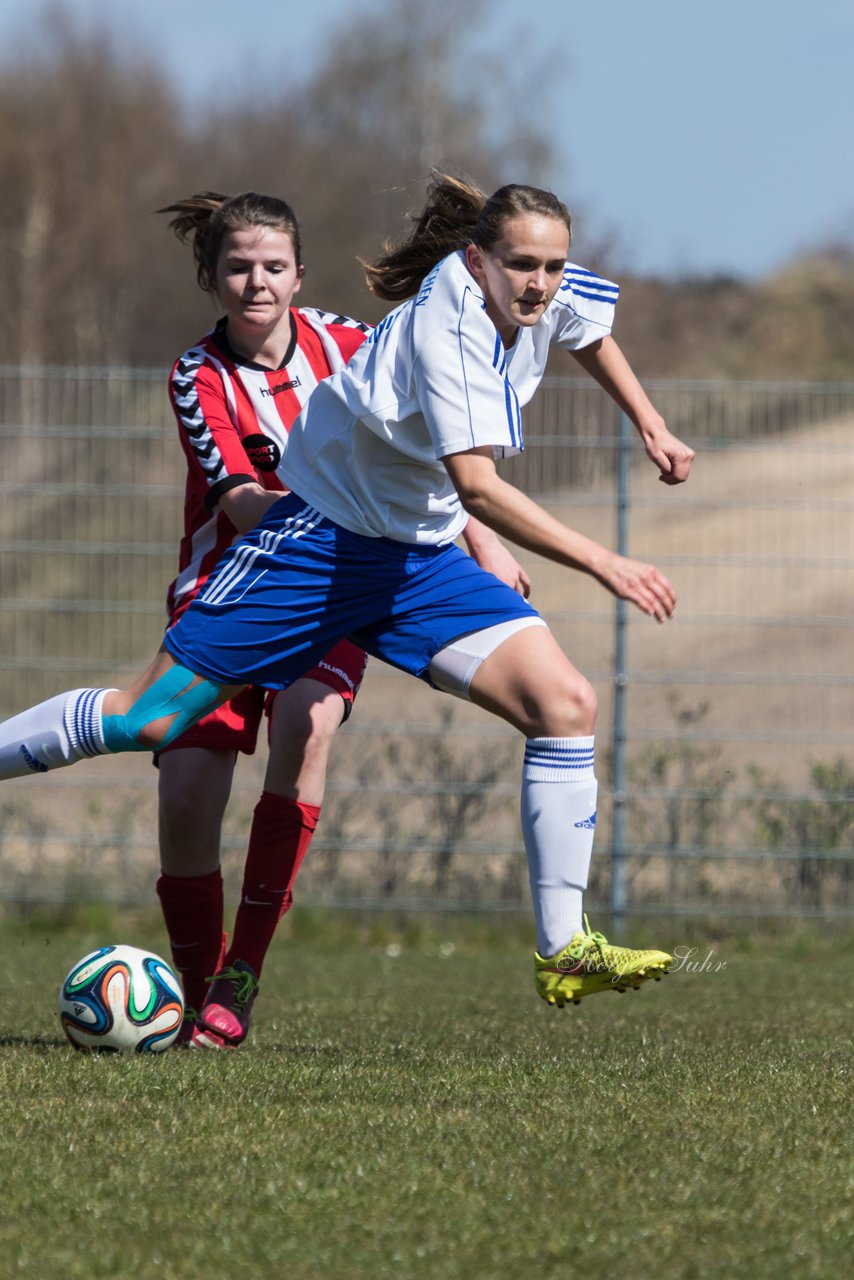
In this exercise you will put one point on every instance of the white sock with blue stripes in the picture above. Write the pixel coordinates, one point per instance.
(558, 820)
(53, 734)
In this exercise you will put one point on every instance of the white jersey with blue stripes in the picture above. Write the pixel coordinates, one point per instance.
(432, 379)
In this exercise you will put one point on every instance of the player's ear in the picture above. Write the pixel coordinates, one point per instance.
(474, 261)
(300, 274)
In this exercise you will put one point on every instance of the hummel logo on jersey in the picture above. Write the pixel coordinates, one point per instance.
(280, 387)
(264, 453)
(32, 762)
(587, 824)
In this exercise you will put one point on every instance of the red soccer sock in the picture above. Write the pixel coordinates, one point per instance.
(192, 909)
(281, 833)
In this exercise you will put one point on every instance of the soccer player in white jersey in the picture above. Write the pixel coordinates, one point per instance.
(236, 393)
(385, 464)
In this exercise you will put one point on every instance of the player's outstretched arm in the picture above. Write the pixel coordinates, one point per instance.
(605, 362)
(513, 515)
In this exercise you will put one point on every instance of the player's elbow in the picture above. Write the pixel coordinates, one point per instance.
(476, 501)
(477, 483)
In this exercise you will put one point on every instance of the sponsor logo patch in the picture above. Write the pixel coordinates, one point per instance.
(264, 453)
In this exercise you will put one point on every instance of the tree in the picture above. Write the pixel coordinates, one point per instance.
(93, 139)
(85, 141)
(402, 91)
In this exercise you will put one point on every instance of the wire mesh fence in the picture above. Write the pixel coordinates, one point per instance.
(725, 744)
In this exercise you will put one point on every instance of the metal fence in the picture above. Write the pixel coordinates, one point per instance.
(725, 744)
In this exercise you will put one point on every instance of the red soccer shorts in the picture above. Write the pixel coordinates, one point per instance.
(234, 726)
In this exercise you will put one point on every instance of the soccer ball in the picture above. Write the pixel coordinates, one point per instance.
(122, 1000)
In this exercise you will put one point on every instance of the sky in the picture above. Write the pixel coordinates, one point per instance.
(698, 138)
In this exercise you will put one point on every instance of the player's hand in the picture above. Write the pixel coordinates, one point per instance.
(500, 561)
(641, 584)
(670, 455)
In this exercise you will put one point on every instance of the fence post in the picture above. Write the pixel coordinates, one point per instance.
(619, 902)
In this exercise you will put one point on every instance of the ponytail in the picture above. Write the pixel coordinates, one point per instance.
(456, 214)
(447, 222)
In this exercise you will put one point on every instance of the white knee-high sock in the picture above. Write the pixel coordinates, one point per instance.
(558, 820)
(53, 734)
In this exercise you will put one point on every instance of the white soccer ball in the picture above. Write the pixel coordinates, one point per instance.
(122, 1000)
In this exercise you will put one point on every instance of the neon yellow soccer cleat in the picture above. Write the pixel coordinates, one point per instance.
(589, 964)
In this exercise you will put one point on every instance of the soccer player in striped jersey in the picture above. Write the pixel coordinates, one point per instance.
(235, 395)
(386, 463)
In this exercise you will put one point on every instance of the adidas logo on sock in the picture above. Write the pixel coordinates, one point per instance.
(587, 824)
(32, 762)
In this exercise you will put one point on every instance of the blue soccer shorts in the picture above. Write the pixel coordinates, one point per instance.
(286, 592)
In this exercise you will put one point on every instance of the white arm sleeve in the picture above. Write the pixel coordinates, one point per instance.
(583, 308)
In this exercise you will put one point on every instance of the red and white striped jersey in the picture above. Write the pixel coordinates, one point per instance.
(233, 420)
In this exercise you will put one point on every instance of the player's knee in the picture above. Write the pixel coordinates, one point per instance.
(153, 717)
(309, 727)
(179, 807)
(326, 721)
(122, 728)
(571, 708)
(585, 702)
(120, 735)
(299, 733)
(189, 833)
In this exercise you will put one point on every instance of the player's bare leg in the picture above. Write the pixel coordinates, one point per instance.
(76, 725)
(164, 701)
(529, 681)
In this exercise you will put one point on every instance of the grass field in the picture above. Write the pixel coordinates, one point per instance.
(406, 1107)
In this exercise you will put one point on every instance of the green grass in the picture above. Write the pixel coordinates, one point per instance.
(407, 1107)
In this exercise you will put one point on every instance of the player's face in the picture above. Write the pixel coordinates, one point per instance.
(522, 271)
(256, 277)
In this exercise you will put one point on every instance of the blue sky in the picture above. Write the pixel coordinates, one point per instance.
(701, 137)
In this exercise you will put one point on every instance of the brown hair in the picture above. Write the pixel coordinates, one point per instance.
(206, 218)
(456, 213)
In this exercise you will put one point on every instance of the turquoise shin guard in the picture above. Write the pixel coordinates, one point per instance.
(170, 695)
